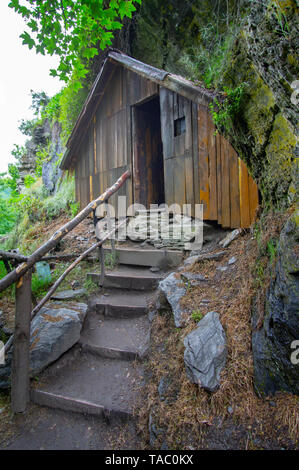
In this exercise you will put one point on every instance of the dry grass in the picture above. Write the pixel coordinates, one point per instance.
(273, 423)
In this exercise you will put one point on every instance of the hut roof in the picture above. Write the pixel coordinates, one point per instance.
(173, 82)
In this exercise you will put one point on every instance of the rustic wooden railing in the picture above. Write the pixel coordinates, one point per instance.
(21, 276)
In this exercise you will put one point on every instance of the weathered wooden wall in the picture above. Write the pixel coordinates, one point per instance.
(199, 165)
(106, 151)
(228, 192)
(177, 150)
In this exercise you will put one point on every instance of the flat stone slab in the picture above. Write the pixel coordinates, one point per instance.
(69, 294)
(129, 277)
(148, 257)
(98, 382)
(205, 353)
(121, 303)
(109, 337)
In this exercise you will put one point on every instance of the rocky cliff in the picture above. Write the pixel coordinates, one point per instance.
(44, 148)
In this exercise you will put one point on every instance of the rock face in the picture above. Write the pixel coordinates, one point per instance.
(51, 172)
(173, 292)
(53, 332)
(205, 353)
(45, 136)
(265, 131)
(272, 344)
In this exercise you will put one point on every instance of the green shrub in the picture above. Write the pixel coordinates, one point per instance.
(196, 315)
(39, 286)
(62, 200)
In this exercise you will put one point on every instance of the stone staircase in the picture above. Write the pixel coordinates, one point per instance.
(102, 374)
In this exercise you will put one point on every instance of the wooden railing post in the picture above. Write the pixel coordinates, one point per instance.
(21, 345)
(112, 241)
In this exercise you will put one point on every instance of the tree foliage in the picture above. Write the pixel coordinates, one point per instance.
(74, 30)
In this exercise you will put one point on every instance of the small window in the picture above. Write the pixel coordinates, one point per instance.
(179, 126)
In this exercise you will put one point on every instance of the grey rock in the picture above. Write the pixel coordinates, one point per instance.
(232, 260)
(163, 387)
(154, 431)
(68, 294)
(230, 410)
(173, 292)
(205, 353)
(164, 446)
(154, 269)
(191, 260)
(168, 389)
(53, 332)
(230, 238)
(271, 344)
(194, 278)
(5, 370)
(51, 171)
(222, 268)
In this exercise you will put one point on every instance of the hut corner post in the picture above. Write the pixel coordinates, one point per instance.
(20, 372)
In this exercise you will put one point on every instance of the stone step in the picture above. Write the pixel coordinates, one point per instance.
(119, 303)
(115, 338)
(147, 257)
(128, 277)
(90, 385)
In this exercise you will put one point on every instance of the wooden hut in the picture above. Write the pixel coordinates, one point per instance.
(158, 126)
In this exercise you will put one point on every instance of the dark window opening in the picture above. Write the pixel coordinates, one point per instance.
(148, 154)
(179, 126)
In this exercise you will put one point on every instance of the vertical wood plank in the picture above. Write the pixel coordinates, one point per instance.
(195, 154)
(219, 178)
(234, 188)
(212, 168)
(179, 181)
(244, 195)
(21, 346)
(203, 161)
(225, 184)
(95, 143)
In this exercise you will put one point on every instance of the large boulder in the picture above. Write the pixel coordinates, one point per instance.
(53, 332)
(205, 353)
(172, 289)
(272, 343)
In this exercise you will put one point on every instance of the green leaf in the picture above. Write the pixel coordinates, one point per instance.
(90, 52)
(27, 39)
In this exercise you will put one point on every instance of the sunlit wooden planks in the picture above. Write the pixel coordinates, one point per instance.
(203, 162)
(244, 195)
(228, 192)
